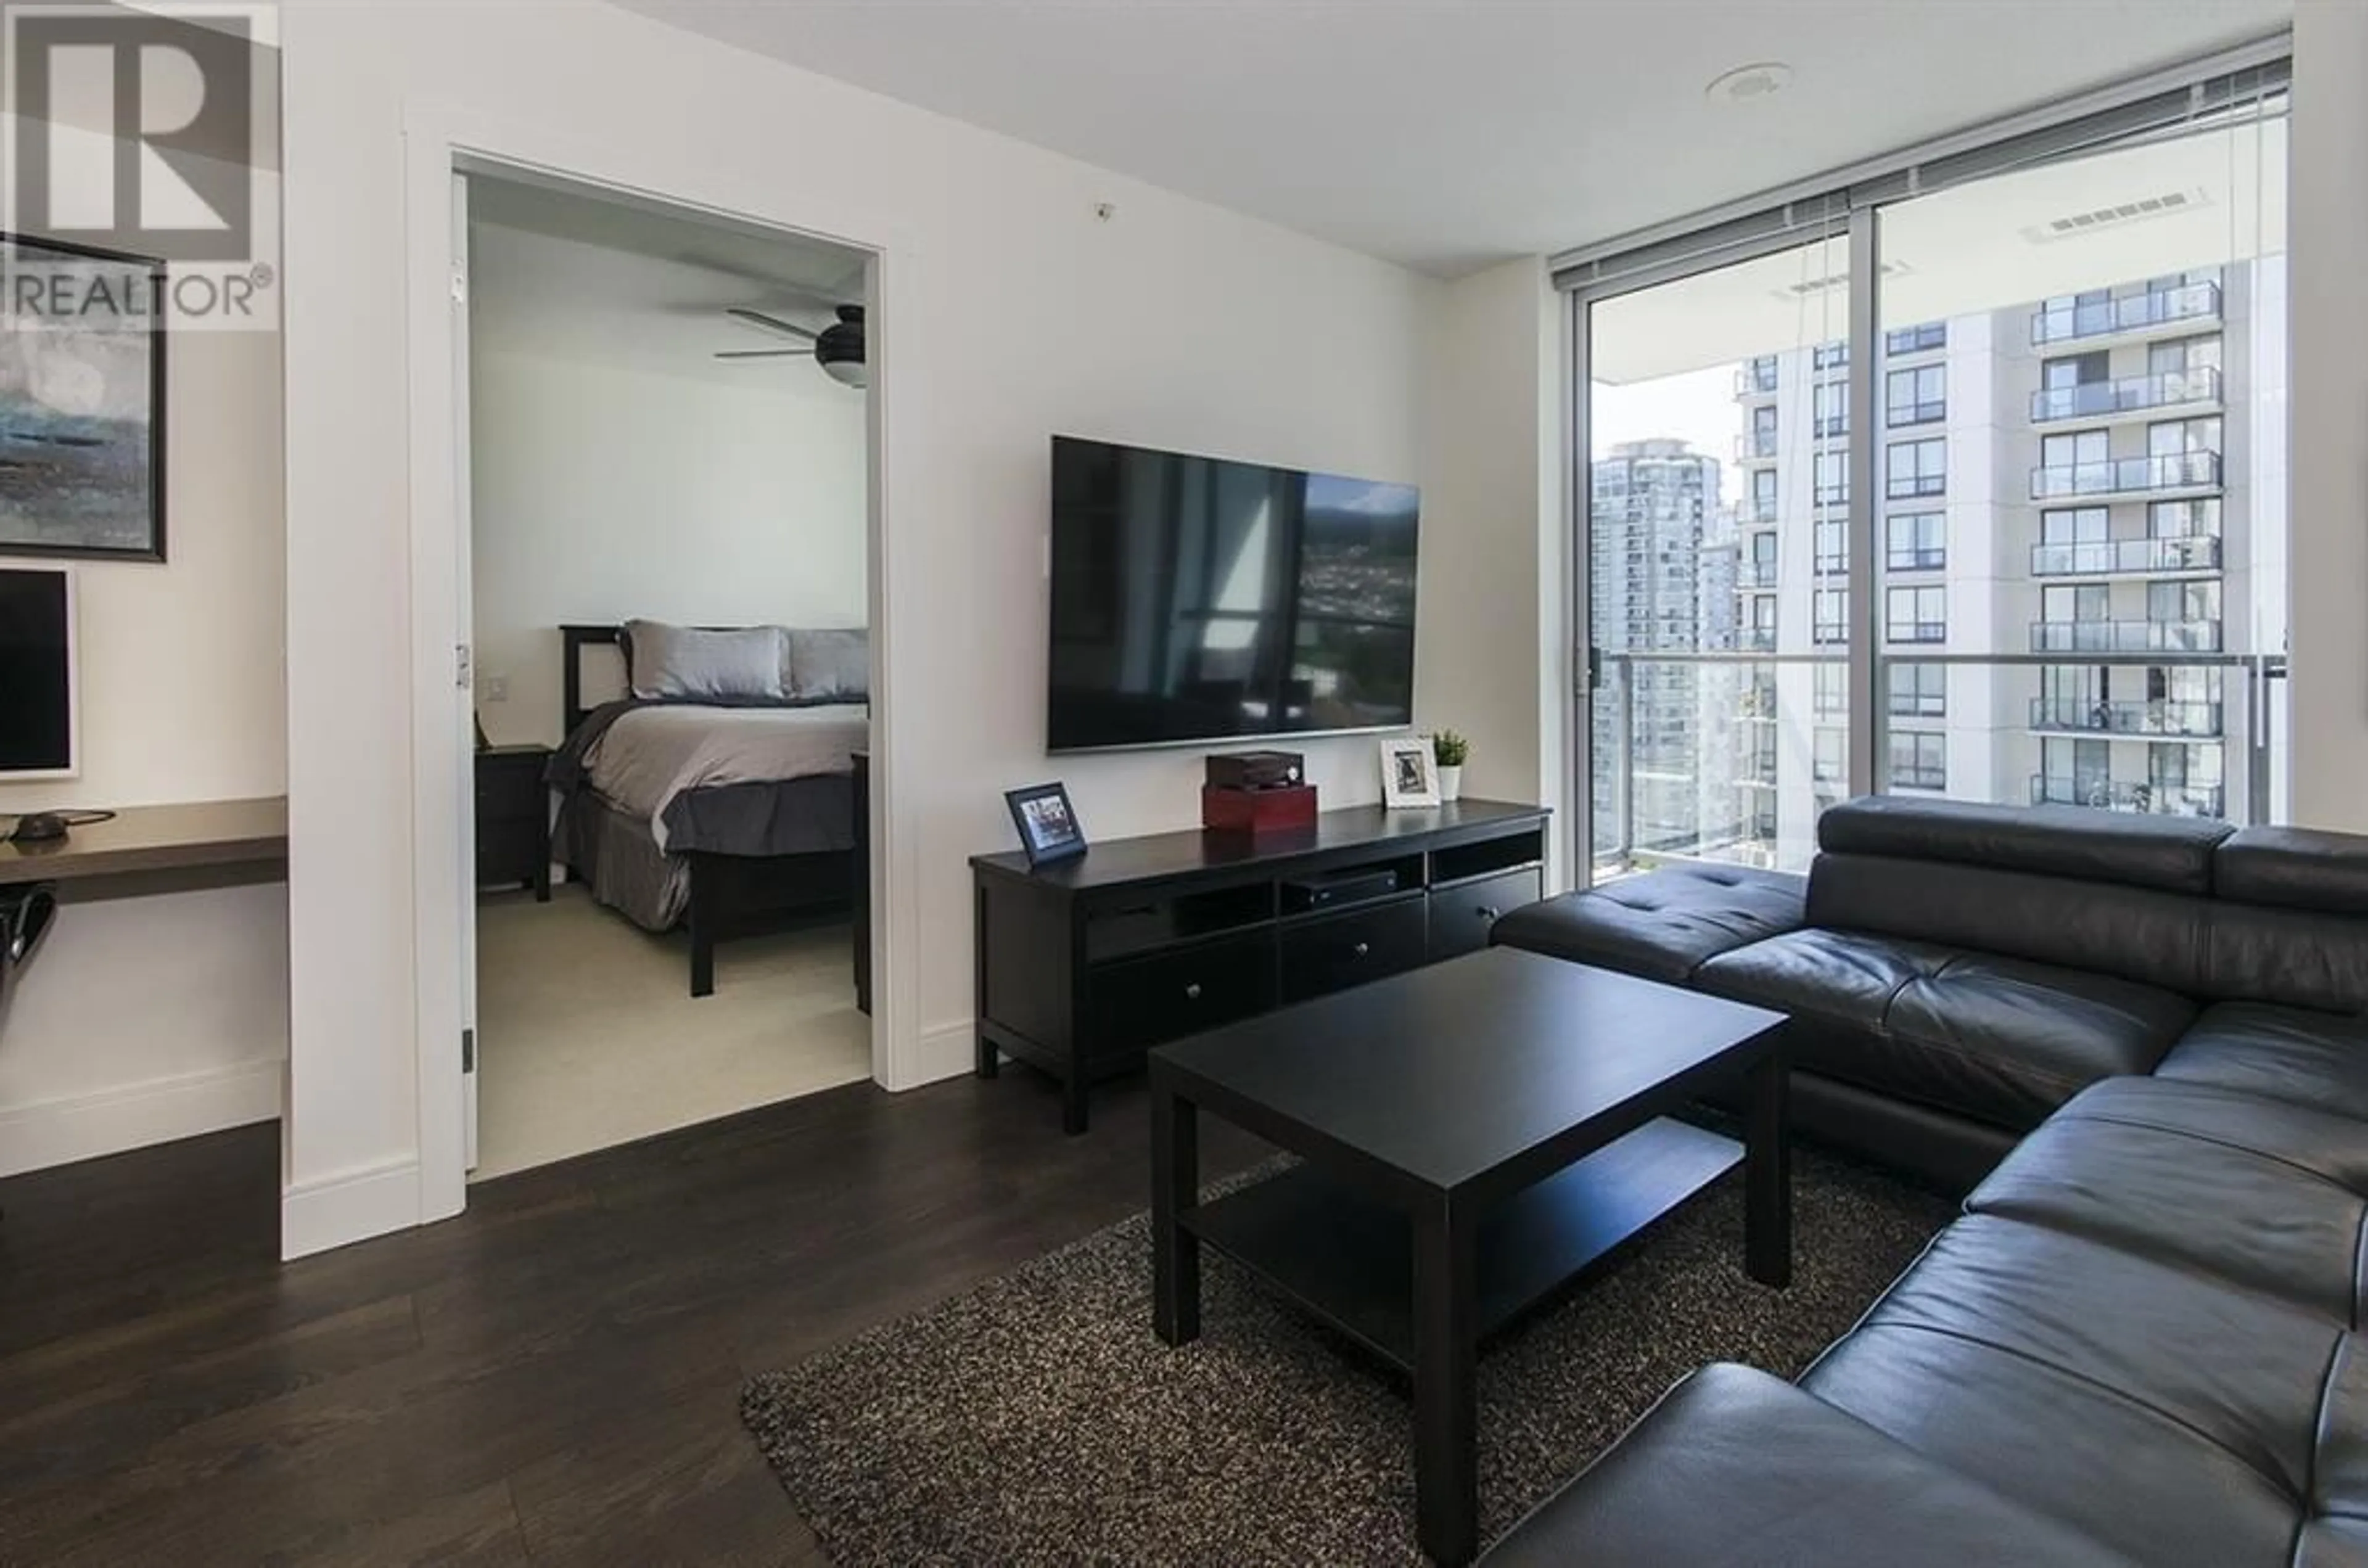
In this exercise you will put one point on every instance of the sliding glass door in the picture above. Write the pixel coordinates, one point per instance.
(2010, 527)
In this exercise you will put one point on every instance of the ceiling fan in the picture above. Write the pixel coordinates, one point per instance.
(838, 349)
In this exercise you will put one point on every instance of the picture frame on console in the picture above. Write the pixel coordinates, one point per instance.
(1409, 772)
(1047, 823)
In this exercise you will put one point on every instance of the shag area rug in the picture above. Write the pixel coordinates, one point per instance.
(1037, 1419)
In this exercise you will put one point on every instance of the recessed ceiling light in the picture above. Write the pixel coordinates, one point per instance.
(1748, 84)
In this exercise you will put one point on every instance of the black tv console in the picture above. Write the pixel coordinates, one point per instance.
(1084, 965)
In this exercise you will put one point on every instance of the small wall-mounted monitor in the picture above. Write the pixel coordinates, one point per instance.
(37, 673)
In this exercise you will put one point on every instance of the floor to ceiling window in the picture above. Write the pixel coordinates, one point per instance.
(1718, 486)
(2013, 529)
(2114, 446)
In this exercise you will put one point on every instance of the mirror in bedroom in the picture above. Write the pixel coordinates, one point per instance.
(668, 511)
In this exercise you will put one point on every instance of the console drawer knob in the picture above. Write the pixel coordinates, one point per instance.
(1484, 913)
(1192, 992)
(1364, 948)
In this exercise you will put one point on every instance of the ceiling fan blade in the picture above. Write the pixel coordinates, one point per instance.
(765, 354)
(764, 322)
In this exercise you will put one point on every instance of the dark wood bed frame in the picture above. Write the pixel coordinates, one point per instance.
(731, 895)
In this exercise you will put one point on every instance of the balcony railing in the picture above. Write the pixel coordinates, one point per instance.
(1756, 379)
(1756, 510)
(1755, 446)
(1757, 639)
(2172, 720)
(1632, 719)
(2130, 795)
(2177, 470)
(2125, 636)
(2131, 313)
(2104, 557)
(1756, 574)
(2098, 399)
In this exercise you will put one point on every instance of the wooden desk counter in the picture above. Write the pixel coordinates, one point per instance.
(157, 838)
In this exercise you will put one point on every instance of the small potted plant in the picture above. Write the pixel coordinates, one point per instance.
(1449, 750)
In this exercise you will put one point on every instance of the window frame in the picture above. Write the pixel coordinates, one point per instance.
(1920, 484)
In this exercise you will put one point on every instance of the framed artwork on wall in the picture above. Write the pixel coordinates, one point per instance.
(82, 402)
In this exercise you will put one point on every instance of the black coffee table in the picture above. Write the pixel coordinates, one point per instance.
(1472, 1134)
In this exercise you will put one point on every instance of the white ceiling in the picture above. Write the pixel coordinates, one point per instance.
(568, 276)
(1449, 133)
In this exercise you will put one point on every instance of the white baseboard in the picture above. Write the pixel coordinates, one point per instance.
(946, 1051)
(351, 1206)
(58, 1132)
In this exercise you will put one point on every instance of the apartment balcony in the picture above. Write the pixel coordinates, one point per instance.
(2129, 795)
(2125, 636)
(1756, 510)
(1754, 575)
(1756, 379)
(2127, 557)
(2128, 476)
(2149, 311)
(1756, 446)
(2131, 394)
(1756, 639)
(2162, 720)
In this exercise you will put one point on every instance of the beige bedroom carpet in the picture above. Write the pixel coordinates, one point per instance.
(589, 1037)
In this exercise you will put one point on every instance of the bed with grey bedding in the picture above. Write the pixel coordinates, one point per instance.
(719, 814)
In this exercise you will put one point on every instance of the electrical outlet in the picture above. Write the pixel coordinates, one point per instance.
(497, 688)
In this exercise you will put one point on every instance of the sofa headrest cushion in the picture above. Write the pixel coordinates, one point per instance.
(2172, 853)
(2294, 868)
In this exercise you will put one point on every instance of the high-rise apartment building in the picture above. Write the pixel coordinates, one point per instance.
(1655, 572)
(2091, 484)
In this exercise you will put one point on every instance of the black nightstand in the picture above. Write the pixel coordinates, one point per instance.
(513, 818)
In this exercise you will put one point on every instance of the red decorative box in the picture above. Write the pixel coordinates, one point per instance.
(1258, 811)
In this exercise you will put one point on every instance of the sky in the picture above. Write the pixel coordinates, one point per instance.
(1696, 406)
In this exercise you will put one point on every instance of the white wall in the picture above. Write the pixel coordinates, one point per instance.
(605, 489)
(160, 1016)
(2329, 328)
(1493, 578)
(1014, 312)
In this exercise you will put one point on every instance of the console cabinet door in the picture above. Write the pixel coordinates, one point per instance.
(1461, 915)
(1138, 1002)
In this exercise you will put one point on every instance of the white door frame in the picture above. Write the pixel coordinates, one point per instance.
(438, 141)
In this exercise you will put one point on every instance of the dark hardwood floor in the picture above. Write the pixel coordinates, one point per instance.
(551, 1378)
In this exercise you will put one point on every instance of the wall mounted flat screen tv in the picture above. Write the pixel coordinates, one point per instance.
(37, 673)
(1198, 599)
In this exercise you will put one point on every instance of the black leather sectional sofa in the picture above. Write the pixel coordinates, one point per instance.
(2140, 1342)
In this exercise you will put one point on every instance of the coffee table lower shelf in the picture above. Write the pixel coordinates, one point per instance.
(1349, 1260)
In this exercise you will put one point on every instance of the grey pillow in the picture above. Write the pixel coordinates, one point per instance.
(681, 661)
(829, 666)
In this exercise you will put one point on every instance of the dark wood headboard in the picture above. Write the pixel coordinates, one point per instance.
(574, 639)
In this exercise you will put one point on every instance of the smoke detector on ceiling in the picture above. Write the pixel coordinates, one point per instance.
(1750, 83)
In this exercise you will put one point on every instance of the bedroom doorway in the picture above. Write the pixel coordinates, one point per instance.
(666, 468)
